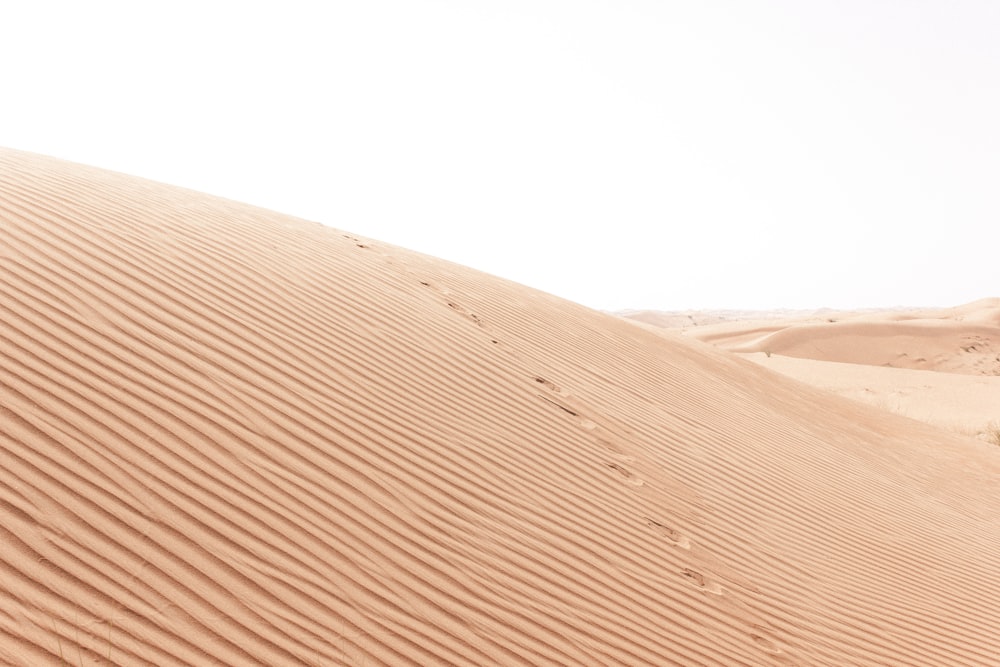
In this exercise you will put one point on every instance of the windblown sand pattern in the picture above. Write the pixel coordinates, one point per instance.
(964, 340)
(941, 366)
(229, 436)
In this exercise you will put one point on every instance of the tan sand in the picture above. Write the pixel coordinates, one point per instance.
(233, 437)
(940, 366)
(956, 340)
(967, 404)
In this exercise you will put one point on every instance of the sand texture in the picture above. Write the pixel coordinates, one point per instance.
(228, 436)
(965, 339)
(941, 366)
(958, 402)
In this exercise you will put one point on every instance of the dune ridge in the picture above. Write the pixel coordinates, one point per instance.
(964, 339)
(940, 365)
(229, 436)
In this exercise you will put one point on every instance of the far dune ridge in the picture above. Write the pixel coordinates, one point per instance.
(229, 436)
(941, 366)
(964, 339)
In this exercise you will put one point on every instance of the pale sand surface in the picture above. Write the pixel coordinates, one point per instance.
(956, 402)
(228, 436)
(941, 366)
(965, 339)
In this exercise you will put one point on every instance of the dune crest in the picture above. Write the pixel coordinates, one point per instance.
(941, 366)
(964, 339)
(229, 436)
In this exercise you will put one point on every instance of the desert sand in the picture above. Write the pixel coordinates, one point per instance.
(965, 339)
(229, 436)
(941, 366)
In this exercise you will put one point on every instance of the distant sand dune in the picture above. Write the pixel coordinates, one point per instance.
(968, 404)
(954, 340)
(228, 436)
(940, 366)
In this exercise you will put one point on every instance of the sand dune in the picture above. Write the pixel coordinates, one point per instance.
(963, 403)
(941, 366)
(955, 340)
(229, 436)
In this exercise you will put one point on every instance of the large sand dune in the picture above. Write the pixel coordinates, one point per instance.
(941, 366)
(233, 437)
(965, 339)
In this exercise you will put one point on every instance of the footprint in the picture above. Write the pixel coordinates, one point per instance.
(629, 477)
(547, 383)
(463, 312)
(765, 643)
(699, 580)
(610, 446)
(356, 240)
(675, 537)
(559, 405)
(759, 636)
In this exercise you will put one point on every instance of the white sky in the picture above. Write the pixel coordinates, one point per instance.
(744, 154)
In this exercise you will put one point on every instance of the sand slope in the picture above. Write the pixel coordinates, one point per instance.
(940, 366)
(959, 402)
(965, 339)
(233, 437)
